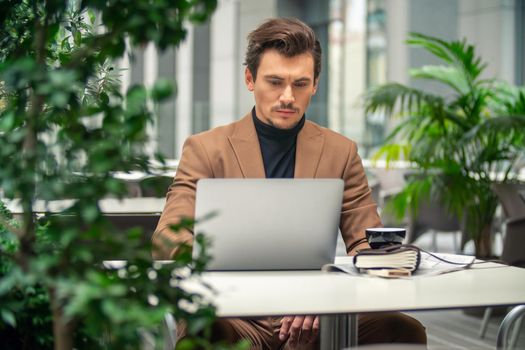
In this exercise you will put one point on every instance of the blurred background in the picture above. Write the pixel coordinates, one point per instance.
(363, 46)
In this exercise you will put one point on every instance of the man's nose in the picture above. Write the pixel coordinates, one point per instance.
(287, 95)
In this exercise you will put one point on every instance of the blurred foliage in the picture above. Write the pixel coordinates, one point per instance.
(460, 141)
(64, 128)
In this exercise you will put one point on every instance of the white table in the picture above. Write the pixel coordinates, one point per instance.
(254, 294)
(138, 176)
(140, 205)
(368, 164)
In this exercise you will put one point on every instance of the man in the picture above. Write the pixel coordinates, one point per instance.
(283, 62)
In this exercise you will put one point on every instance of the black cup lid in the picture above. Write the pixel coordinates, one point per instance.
(386, 230)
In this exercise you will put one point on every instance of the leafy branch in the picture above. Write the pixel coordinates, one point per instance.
(61, 105)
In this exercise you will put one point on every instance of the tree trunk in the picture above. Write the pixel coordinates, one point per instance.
(483, 243)
(63, 330)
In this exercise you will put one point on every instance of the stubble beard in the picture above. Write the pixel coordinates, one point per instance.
(290, 107)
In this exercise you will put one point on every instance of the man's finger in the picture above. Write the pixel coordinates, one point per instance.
(295, 330)
(315, 329)
(286, 322)
(306, 330)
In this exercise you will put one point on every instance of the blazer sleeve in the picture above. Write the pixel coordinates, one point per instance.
(180, 200)
(359, 211)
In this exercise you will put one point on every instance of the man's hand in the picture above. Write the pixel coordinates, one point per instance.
(299, 329)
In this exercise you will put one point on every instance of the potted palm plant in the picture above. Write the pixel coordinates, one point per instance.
(460, 142)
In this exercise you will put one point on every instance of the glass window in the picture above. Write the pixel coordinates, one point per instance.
(376, 42)
(520, 42)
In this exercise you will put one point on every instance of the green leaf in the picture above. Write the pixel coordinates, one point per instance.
(162, 90)
(8, 317)
(65, 44)
(392, 152)
(450, 76)
(92, 16)
(77, 37)
(386, 97)
(59, 99)
(90, 213)
(53, 29)
(136, 100)
(7, 121)
(185, 344)
(455, 53)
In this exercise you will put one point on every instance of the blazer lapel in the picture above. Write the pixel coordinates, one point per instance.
(310, 143)
(246, 147)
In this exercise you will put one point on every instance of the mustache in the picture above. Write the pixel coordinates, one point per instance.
(285, 106)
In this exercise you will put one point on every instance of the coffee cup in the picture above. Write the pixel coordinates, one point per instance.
(379, 237)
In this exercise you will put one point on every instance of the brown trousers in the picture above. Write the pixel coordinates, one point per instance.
(263, 334)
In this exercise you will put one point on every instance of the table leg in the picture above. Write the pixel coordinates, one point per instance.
(352, 330)
(338, 331)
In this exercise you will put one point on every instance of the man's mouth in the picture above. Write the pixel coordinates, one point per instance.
(286, 111)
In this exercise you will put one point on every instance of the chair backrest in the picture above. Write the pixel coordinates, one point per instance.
(512, 198)
(390, 179)
(513, 252)
(155, 186)
(433, 215)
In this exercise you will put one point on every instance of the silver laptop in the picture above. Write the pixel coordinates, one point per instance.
(269, 224)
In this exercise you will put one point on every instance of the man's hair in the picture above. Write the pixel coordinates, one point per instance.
(289, 36)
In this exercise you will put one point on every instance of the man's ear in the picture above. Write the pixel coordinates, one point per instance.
(248, 79)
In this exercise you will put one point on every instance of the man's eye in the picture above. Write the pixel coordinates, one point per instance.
(275, 82)
(301, 84)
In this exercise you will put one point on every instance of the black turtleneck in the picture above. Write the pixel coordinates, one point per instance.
(277, 147)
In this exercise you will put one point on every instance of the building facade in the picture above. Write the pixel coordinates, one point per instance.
(363, 45)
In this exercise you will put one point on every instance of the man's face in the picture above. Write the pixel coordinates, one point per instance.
(283, 88)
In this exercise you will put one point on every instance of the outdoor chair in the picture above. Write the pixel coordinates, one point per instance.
(503, 342)
(433, 216)
(389, 183)
(147, 222)
(512, 198)
(155, 186)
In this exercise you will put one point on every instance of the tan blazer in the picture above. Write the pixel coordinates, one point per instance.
(233, 151)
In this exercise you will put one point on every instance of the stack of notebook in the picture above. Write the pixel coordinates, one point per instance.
(396, 257)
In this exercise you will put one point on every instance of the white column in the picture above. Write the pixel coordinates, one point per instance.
(489, 25)
(150, 65)
(150, 76)
(184, 78)
(125, 73)
(354, 68)
(508, 40)
(336, 71)
(397, 49)
(224, 67)
(251, 14)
